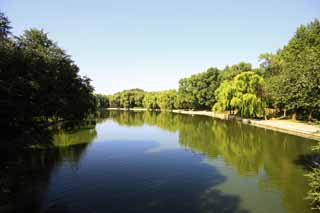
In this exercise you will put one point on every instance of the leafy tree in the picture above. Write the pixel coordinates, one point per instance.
(114, 101)
(224, 95)
(271, 64)
(138, 97)
(249, 105)
(185, 101)
(150, 100)
(167, 99)
(302, 69)
(197, 91)
(39, 83)
(54, 73)
(102, 101)
(229, 72)
(295, 84)
(249, 82)
(127, 98)
(244, 94)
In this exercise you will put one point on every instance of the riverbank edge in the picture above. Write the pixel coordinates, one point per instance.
(298, 129)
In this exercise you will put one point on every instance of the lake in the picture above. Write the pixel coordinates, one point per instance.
(160, 162)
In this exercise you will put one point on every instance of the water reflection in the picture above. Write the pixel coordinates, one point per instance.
(24, 176)
(158, 162)
(251, 151)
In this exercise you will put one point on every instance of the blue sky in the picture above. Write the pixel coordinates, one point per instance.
(152, 44)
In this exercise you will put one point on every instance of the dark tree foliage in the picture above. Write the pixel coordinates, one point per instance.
(102, 101)
(39, 83)
(5, 26)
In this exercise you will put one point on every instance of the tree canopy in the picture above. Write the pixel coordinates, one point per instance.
(244, 94)
(150, 100)
(294, 72)
(39, 82)
(197, 91)
(127, 99)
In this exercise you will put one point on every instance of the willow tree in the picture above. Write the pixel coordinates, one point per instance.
(224, 95)
(245, 94)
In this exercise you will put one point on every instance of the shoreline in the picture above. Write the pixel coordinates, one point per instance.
(299, 129)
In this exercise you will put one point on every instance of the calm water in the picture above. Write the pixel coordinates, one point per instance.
(160, 162)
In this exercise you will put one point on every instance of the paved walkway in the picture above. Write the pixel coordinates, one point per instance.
(290, 127)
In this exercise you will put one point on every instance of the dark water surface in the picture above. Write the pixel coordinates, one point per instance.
(160, 162)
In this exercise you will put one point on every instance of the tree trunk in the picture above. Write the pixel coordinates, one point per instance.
(284, 113)
(294, 116)
(310, 116)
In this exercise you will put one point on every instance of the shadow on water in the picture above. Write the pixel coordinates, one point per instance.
(308, 161)
(25, 174)
(216, 201)
(212, 201)
(173, 187)
(184, 186)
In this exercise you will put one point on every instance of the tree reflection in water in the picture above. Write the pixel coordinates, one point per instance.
(25, 175)
(251, 151)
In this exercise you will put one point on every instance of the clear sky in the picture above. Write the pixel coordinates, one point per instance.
(152, 44)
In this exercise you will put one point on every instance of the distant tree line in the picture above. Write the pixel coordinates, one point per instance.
(39, 83)
(287, 83)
